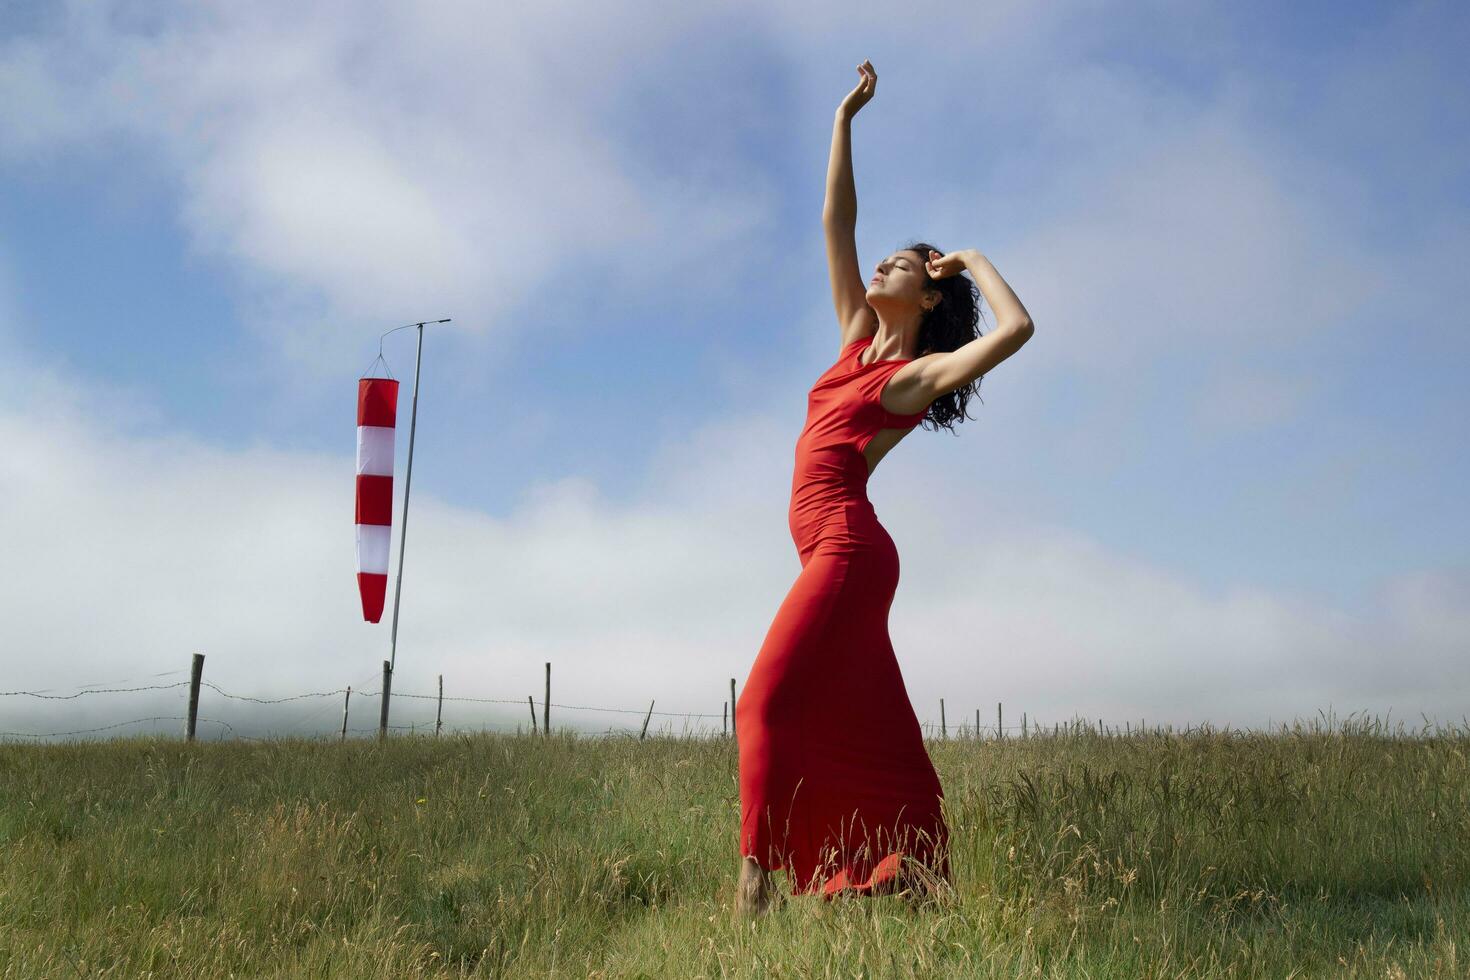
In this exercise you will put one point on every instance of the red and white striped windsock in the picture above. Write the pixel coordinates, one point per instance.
(377, 408)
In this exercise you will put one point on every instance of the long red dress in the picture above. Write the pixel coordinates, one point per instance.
(835, 784)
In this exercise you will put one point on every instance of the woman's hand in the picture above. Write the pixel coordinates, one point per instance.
(939, 266)
(859, 96)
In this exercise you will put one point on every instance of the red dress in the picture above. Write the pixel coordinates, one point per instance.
(835, 784)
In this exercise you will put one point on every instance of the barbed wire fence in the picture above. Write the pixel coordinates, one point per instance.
(354, 692)
(1028, 728)
(351, 697)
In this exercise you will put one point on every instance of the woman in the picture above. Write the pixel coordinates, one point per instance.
(835, 784)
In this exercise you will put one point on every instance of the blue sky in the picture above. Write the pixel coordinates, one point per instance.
(1221, 483)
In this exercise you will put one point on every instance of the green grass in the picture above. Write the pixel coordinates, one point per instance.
(1297, 854)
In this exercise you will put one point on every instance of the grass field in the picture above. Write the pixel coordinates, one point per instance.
(1303, 853)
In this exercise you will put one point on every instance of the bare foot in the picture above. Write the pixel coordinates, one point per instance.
(754, 893)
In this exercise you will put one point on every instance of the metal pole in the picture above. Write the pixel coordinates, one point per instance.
(387, 689)
(403, 532)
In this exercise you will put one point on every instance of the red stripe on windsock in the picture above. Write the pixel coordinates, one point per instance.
(377, 401)
(374, 499)
(373, 588)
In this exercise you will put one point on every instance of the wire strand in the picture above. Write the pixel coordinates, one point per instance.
(100, 690)
(104, 728)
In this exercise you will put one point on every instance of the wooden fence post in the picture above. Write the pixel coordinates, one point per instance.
(346, 702)
(645, 721)
(196, 674)
(439, 718)
(1000, 732)
(532, 702)
(724, 719)
(977, 724)
(943, 730)
(732, 707)
(1023, 724)
(387, 690)
(546, 704)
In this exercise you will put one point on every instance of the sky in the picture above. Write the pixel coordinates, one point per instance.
(1223, 483)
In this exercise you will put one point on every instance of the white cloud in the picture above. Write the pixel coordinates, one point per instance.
(132, 552)
(352, 162)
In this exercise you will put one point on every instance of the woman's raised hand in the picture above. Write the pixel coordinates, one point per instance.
(859, 96)
(939, 266)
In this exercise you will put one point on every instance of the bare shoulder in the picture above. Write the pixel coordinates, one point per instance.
(864, 323)
(912, 387)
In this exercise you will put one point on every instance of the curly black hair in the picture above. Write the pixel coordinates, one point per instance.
(951, 324)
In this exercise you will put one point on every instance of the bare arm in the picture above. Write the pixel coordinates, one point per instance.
(946, 372)
(839, 217)
(1007, 306)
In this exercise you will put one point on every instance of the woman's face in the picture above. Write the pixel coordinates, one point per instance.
(899, 279)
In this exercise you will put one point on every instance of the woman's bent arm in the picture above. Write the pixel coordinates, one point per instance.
(943, 373)
(1007, 306)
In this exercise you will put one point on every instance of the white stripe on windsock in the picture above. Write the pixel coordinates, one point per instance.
(375, 450)
(372, 548)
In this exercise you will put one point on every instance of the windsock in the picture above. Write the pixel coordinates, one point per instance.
(377, 408)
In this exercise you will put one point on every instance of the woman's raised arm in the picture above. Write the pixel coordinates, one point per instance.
(839, 215)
